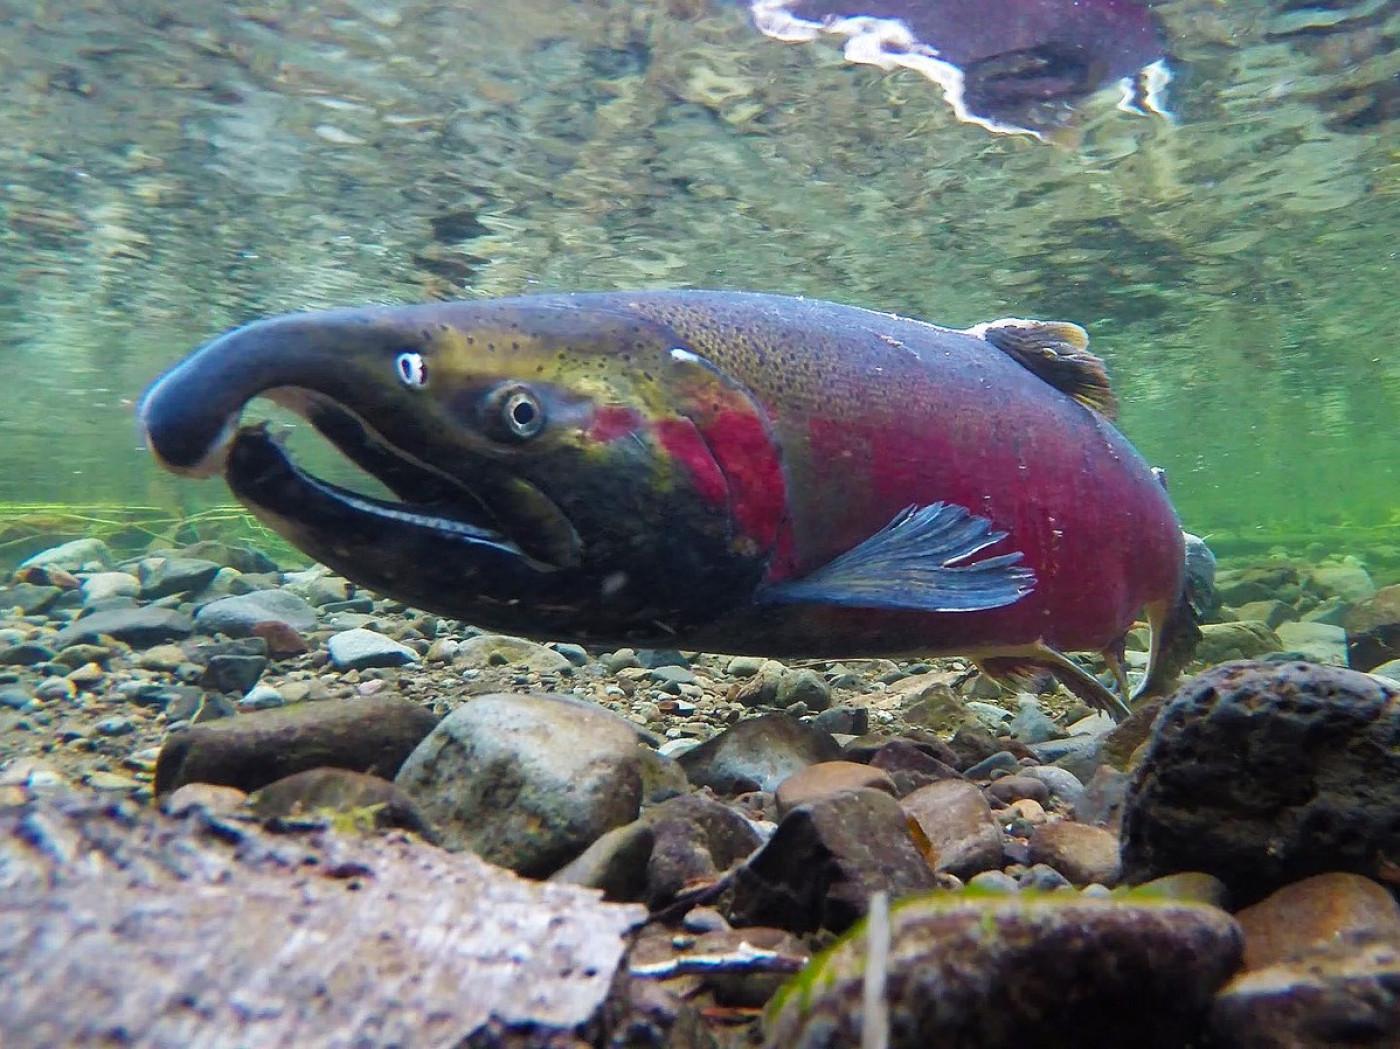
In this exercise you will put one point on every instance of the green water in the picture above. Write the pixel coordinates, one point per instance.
(172, 169)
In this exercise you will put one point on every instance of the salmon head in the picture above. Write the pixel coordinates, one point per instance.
(556, 464)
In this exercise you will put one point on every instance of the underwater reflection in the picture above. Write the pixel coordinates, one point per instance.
(1011, 66)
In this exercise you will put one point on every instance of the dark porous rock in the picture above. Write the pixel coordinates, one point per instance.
(251, 750)
(369, 801)
(527, 782)
(1263, 774)
(962, 833)
(825, 860)
(757, 754)
(31, 600)
(138, 627)
(237, 616)
(233, 673)
(1339, 993)
(1085, 855)
(1006, 972)
(166, 576)
(209, 930)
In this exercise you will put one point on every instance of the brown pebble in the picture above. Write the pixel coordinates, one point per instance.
(1082, 854)
(1312, 911)
(826, 778)
(282, 639)
(208, 796)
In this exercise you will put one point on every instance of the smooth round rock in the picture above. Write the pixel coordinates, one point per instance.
(526, 782)
(237, 616)
(361, 649)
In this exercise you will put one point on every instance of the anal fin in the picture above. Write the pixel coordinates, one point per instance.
(1023, 663)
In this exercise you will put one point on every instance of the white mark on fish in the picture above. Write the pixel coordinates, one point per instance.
(684, 356)
(412, 371)
(613, 582)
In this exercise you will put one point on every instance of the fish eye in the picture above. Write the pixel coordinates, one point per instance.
(411, 369)
(514, 413)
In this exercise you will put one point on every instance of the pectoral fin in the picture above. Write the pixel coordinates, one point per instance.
(913, 563)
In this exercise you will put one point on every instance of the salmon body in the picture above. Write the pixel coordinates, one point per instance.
(727, 472)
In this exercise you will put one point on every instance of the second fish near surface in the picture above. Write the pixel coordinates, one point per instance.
(728, 472)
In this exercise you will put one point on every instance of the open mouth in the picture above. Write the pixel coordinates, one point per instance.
(262, 473)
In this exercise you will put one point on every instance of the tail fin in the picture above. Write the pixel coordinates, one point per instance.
(1176, 626)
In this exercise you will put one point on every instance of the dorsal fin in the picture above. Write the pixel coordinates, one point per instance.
(1058, 352)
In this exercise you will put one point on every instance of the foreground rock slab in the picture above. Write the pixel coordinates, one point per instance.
(1000, 973)
(162, 933)
(1263, 774)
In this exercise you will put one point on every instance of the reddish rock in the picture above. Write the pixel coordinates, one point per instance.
(1315, 911)
(826, 778)
(958, 823)
(1083, 854)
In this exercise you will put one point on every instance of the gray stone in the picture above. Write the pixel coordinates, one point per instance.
(261, 697)
(744, 666)
(1001, 761)
(29, 598)
(1033, 725)
(499, 650)
(651, 658)
(962, 833)
(1221, 642)
(321, 792)
(138, 627)
(1349, 582)
(849, 721)
(757, 754)
(26, 654)
(575, 654)
(1263, 774)
(806, 687)
(1005, 972)
(361, 649)
(233, 672)
(166, 576)
(1063, 784)
(103, 585)
(1319, 642)
(237, 616)
(527, 782)
(71, 556)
